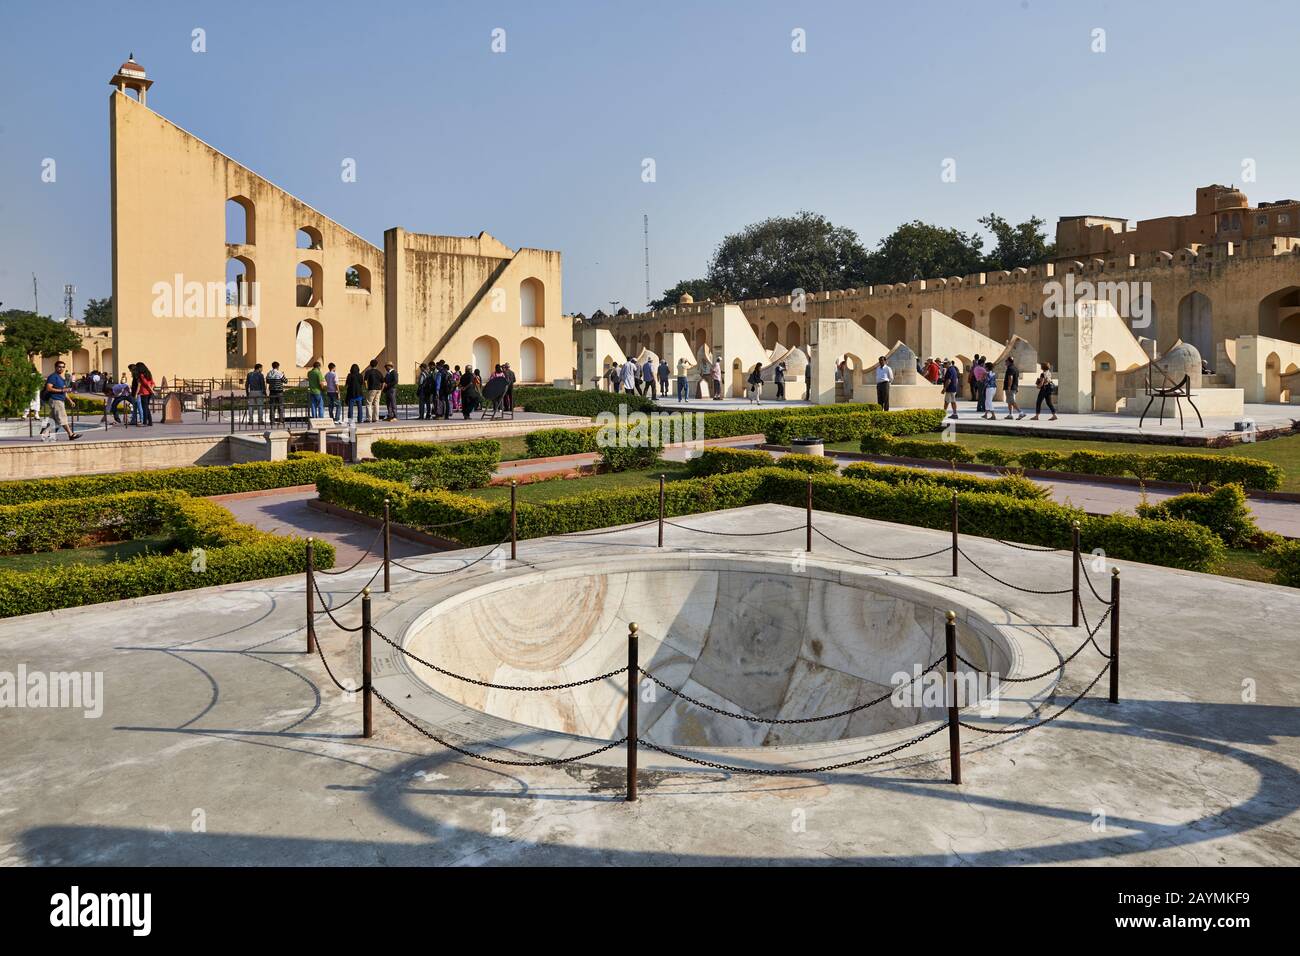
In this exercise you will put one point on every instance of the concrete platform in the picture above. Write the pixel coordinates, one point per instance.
(1099, 426)
(213, 713)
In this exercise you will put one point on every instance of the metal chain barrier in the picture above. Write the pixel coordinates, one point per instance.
(1051, 670)
(481, 683)
(589, 534)
(328, 670)
(882, 557)
(790, 720)
(733, 534)
(494, 760)
(1030, 547)
(446, 524)
(1008, 584)
(378, 534)
(1084, 569)
(326, 610)
(766, 771)
(1046, 720)
(338, 607)
(463, 567)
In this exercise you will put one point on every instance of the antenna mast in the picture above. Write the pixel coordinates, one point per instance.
(645, 224)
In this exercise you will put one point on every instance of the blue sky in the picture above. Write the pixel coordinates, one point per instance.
(543, 145)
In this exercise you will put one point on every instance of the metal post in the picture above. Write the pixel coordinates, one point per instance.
(514, 518)
(311, 596)
(808, 545)
(661, 511)
(367, 723)
(1074, 612)
(1114, 635)
(388, 544)
(632, 682)
(954, 729)
(954, 534)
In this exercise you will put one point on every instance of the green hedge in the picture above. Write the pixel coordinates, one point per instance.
(808, 464)
(455, 472)
(1223, 511)
(302, 468)
(878, 443)
(587, 403)
(229, 552)
(1174, 543)
(757, 421)
(726, 461)
(56, 523)
(385, 448)
(1013, 485)
(1284, 559)
(555, 442)
(832, 426)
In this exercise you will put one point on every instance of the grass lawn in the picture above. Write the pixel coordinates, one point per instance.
(1283, 452)
(555, 488)
(100, 554)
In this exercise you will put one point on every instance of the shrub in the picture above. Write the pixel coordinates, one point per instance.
(555, 442)
(1013, 485)
(1174, 543)
(19, 380)
(809, 464)
(757, 421)
(456, 472)
(1041, 460)
(996, 457)
(587, 403)
(302, 468)
(52, 524)
(725, 461)
(1184, 467)
(876, 443)
(1284, 559)
(231, 552)
(841, 426)
(386, 448)
(1223, 511)
(625, 457)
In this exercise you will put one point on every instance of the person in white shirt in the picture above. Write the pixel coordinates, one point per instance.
(629, 376)
(884, 375)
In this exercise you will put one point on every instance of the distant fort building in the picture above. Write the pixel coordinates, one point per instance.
(215, 269)
(1227, 270)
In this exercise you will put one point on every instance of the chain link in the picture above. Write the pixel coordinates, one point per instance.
(337, 623)
(764, 771)
(463, 567)
(735, 534)
(325, 608)
(790, 720)
(494, 760)
(881, 557)
(363, 557)
(1046, 720)
(1083, 573)
(480, 683)
(1016, 587)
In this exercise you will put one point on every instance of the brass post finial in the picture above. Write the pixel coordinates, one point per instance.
(365, 591)
(632, 628)
(951, 616)
(1115, 571)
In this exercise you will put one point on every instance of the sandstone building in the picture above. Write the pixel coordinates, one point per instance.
(215, 268)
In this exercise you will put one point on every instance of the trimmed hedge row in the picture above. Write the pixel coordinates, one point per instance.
(833, 427)
(302, 468)
(808, 464)
(55, 523)
(1013, 485)
(757, 421)
(386, 448)
(230, 552)
(1173, 543)
(1189, 468)
(726, 461)
(456, 472)
(878, 443)
(554, 442)
(587, 403)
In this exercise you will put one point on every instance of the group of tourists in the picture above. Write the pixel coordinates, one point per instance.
(369, 395)
(982, 380)
(651, 380)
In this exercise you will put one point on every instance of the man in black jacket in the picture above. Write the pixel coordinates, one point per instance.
(510, 389)
(390, 390)
(374, 380)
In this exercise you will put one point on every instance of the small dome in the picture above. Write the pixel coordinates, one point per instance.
(1231, 199)
(130, 66)
(686, 299)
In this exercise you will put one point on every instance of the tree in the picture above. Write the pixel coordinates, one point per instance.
(1022, 245)
(697, 289)
(778, 255)
(352, 278)
(99, 313)
(38, 334)
(919, 250)
(19, 380)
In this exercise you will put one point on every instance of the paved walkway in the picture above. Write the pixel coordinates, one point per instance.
(211, 703)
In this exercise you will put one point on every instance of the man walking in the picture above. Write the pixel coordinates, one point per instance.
(664, 373)
(778, 376)
(716, 375)
(374, 381)
(275, 380)
(1010, 385)
(884, 375)
(332, 393)
(683, 388)
(629, 376)
(511, 377)
(951, 383)
(648, 378)
(255, 388)
(57, 389)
